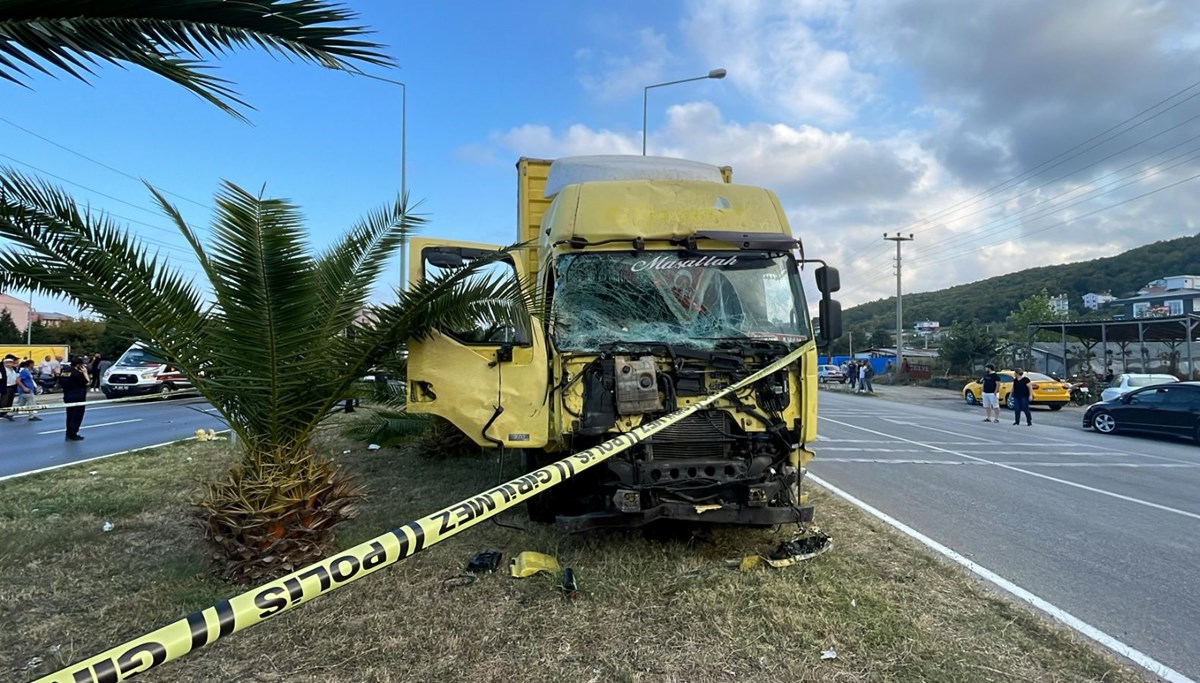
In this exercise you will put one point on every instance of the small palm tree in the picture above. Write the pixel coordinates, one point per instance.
(274, 339)
(172, 39)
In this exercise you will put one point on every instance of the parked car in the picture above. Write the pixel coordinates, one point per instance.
(1126, 382)
(1172, 409)
(830, 373)
(1044, 390)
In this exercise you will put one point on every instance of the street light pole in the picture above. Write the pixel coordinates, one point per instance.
(898, 238)
(403, 165)
(715, 73)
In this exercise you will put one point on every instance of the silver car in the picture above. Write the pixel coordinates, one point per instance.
(1128, 381)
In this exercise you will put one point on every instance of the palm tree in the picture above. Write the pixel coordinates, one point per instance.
(275, 339)
(172, 39)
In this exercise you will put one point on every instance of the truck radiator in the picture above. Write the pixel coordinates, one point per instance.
(700, 435)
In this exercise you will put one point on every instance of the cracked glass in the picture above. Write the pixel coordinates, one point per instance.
(687, 299)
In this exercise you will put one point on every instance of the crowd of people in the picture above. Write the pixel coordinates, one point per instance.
(22, 380)
(858, 373)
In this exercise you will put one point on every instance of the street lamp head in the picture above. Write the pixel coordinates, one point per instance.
(716, 73)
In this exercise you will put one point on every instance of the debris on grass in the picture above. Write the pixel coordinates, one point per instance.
(788, 553)
(373, 447)
(528, 563)
(829, 653)
(108, 526)
(484, 561)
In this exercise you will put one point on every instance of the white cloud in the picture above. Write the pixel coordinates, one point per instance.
(610, 75)
(791, 56)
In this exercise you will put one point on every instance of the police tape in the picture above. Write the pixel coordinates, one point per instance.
(100, 402)
(271, 599)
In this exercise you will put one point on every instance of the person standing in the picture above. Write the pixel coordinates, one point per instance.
(868, 373)
(862, 376)
(1021, 395)
(991, 394)
(74, 381)
(9, 387)
(94, 372)
(27, 391)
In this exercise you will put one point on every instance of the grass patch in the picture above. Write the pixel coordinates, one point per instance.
(657, 606)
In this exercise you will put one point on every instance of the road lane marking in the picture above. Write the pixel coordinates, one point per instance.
(102, 424)
(1057, 613)
(100, 457)
(1031, 473)
(909, 461)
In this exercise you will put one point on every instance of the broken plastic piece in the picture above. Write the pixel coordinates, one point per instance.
(829, 653)
(108, 526)
(701, 509)
(790, 552)
(529, 563)
(373, 447)
(484, 561)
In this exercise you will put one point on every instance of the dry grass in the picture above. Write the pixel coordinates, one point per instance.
(651, 608)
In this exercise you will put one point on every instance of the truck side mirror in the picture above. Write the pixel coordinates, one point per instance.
(828, 280)
(830, 313)
(443, 259)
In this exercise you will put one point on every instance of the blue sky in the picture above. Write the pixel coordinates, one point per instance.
(851, 111)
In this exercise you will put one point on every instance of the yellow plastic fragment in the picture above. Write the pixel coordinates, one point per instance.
(528, 563)
(701, 509)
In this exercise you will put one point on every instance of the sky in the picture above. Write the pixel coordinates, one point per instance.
(1002, 134)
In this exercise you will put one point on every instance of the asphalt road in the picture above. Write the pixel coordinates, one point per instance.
(107, 429)
(1106, 528)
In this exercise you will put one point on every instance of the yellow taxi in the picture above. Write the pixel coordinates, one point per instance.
(1045, 390)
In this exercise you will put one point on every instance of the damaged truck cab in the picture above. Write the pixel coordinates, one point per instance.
(657, 282)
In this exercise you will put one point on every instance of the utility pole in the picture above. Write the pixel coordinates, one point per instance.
(898, 239)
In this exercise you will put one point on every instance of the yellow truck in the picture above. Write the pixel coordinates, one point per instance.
(658, 281)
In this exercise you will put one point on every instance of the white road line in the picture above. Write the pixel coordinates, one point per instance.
(102, 424)
(1031, 473)
(905, 461)
(1082, 627)
(978, 439)
(101, 457)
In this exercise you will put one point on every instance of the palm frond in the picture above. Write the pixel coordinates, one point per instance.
(74, 36)
(456, 299)
(63, 249)
(348, 269)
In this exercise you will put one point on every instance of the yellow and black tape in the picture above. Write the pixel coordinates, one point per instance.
(240, 612)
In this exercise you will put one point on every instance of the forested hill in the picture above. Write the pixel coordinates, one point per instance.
(991, 300)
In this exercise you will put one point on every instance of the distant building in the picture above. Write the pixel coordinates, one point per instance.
(927, 327)
(50, 319)
(1093, 301)
(1061, 304)
(1170, 296)
(1170, 283)
(19, 310)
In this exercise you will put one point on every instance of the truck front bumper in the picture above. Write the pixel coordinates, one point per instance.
(740, 515)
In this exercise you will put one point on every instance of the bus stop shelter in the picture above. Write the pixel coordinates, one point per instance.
(1176, 331)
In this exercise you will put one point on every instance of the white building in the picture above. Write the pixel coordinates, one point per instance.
(927, 327)
(1171, 283)
(1093, 301)
(1061, 304)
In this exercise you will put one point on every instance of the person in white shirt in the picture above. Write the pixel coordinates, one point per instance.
(10, 386)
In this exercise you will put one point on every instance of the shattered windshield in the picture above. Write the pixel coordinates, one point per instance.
(688, 299)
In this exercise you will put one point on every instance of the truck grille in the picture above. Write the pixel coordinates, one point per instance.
(122, 379)
(700, 435)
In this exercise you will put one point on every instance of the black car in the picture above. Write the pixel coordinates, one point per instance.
(1172, 409)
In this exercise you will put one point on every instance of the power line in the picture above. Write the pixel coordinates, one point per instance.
(101, 164)
(872, 251)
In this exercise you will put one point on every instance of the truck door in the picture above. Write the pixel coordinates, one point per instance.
(490, 381)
